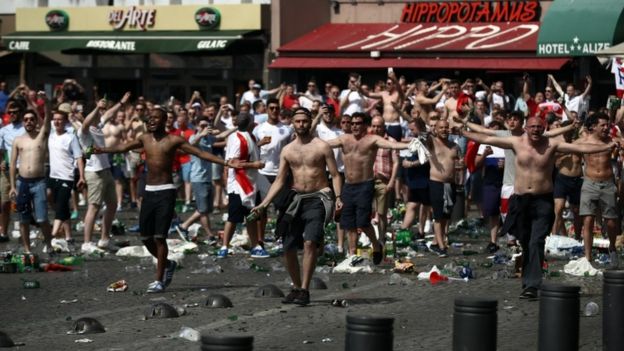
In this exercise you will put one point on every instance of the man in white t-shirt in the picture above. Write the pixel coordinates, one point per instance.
(100, 183)
(307, 99)
(65, 153)
(573, 102)
(351, 101)
(256, 93)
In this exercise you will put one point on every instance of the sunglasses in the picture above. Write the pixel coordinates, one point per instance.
(357, 123)
(273, 107)
(13, 112)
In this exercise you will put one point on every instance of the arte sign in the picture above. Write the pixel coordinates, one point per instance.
(133, 17)
(208, 18)
(575, 47)
(470, 11)
(57, 20)
(453, 37)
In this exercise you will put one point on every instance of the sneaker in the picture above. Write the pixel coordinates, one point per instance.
(442, 253)
(222, 253)
(290, 298)
(134, 229)
(82, 201)
(155, 287)
(103, 244)
(183, 233)
(71, 241)
(186, 208)
(259, 252)
(528, 294)
(169, 270)
(434, 248)
(492, 248)
(4, 238)
(303, 298)
(74, 215)
(615, 260)
(119, 208)
(133, 205)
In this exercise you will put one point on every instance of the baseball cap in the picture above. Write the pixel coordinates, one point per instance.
(65, 107)
(256, 86)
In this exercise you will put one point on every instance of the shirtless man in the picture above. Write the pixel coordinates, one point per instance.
(422, 102)
(567, 186)
(359, 151)
(393, 95)
(306, 158)
(114, 133)
(157, 209)
(29, 189)
(531, 215)
(599, 189)
(444, 155)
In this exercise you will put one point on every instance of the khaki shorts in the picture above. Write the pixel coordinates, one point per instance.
(381, 197)
(5, 186)
(101, 187)
(596, 195)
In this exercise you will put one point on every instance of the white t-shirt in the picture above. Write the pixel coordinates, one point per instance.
(249, 97)
(232, 151)
(573, 104)
(325, 133)
(357, 102)
(64, 149)
(95, 137)
(270, 153)
(499, 100)
(307, 100)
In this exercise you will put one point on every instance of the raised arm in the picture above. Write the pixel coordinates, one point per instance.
(556, 85)
(558, 131)
(386, 144)
(119, 148)
(336, 142)
(588, 87)
(583, 148)
(480, 129)
(111, 112)
(93, 116)
(47, 114)
(432, 101)
(190, 149)
(502, 142)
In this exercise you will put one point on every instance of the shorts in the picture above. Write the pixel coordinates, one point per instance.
(100, 188)
(117, 173)
(419, 196)
(31, 195)
(598, 194)
(236, 210)
(568, 188)
(357, 201)
(203, 197)
(5, 186)
(381, 197)
(157, 211)
(440, 209)
(395, 131)
(490, 206)
(61, 193)
(308, 225)
(217, 171)
(185, 172)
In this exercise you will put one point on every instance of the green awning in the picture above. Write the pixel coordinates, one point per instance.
(581, 28)
(125, 42)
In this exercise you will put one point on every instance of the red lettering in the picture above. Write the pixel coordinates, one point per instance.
(473, 8)
(464, 12)
(424, 8)
(484, 13)
(454, 10)
(433, 9)
(516, 11)
(530, 11)
(443, 13)
(500, 12)
(407, 12)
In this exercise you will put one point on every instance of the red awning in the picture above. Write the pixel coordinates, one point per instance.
(505, 63)
(418, 37)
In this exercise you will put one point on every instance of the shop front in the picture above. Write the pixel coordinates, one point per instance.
(156, 51)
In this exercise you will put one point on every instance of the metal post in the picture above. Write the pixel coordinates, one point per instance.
(613, 310)
(475, 324)
(558, 318)
(367, 333)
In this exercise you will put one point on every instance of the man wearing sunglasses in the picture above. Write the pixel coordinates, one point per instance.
(8, 134)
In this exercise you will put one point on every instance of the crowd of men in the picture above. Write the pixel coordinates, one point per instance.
(526, 162)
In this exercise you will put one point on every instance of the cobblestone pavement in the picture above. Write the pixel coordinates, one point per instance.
(423, 313)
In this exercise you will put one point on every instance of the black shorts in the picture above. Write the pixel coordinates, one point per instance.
(419, 196)
(236, 210)
(308, 225)
(568, 188)
(61, 192)
(436, 194)
(357, 204)
(157, 211)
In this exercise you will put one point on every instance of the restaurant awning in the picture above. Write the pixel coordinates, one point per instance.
(505, 64)
(581, 28)
(125, 42)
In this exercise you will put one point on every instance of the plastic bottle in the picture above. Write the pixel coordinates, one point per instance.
(390, 252)
(71, 261)
(403, 237)
(591, 309)
(189, 334)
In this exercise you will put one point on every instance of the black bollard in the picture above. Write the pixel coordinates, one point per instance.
(368, 333)
(613, 310)
(474, 324)
(226, 343)
(558, 318)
